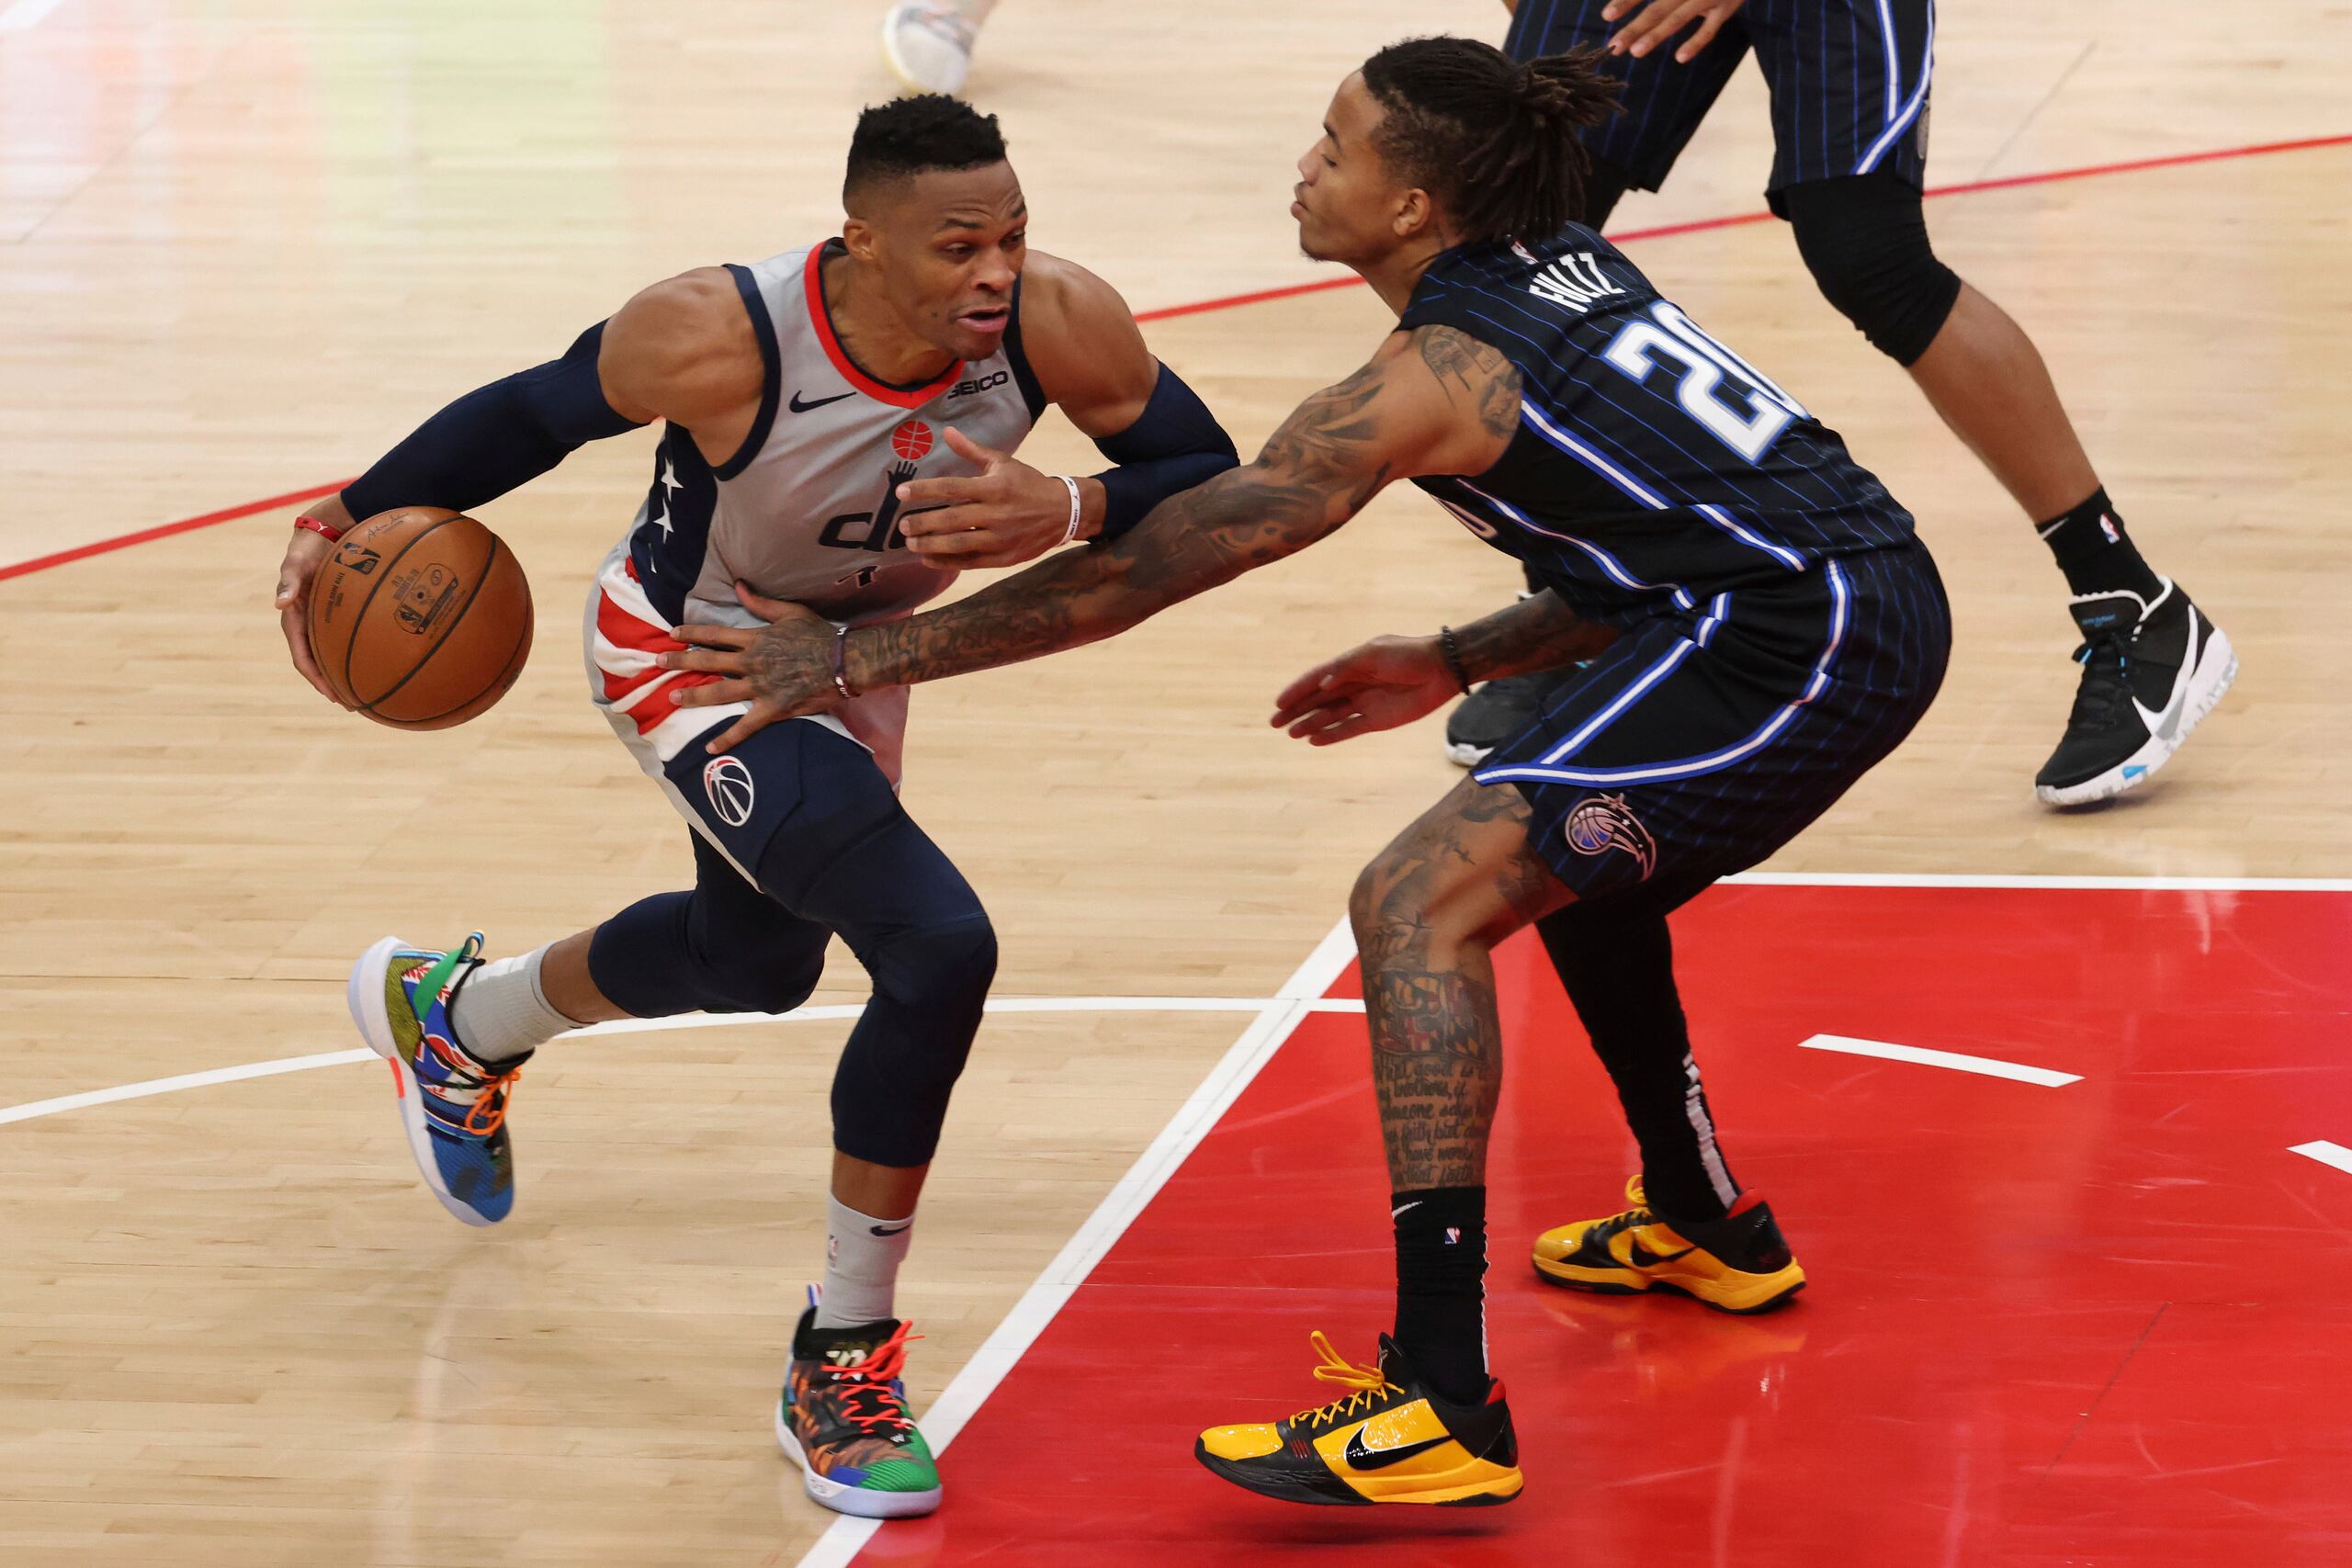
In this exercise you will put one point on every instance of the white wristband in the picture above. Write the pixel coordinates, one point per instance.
(1076, 510)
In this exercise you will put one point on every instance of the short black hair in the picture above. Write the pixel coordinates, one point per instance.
(1492, 140)
(907, 135)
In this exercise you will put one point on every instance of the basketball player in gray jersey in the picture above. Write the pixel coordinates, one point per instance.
(812, 405)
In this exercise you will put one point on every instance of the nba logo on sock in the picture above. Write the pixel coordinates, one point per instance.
(729, 784)
(1452, 1234)
(2107, 526)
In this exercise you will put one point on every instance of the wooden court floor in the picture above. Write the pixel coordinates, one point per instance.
(243, 246)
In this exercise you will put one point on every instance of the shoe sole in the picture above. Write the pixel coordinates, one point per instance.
(1740, 1306)
(1483, 1495)
(854, 1500)
(899, 67)
(364, 995)
(1463, 755)
(2216, 672)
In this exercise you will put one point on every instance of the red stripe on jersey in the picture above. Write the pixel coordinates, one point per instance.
(813, 281)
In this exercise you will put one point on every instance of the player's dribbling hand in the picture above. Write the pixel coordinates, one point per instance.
(1387, 682)
(305, 554)
(1007, 513)
(784, 669)
(1661, 20)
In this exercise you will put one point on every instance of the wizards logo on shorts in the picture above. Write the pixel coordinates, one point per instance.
(1599, 823)
(727, 782)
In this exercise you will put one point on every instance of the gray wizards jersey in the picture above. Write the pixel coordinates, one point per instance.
(805, 511)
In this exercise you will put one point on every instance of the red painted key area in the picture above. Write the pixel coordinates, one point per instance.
(2108, 1323)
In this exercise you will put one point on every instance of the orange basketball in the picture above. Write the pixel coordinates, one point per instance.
(420, 618)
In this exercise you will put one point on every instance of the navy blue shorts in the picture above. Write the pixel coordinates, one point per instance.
(1848, 79)
(1702, 741)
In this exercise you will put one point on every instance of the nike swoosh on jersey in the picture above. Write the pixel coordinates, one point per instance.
(1362, 1457)
(799, 407)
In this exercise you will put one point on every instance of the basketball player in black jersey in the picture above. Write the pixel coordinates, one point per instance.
(1761, 625)
(1850, 82)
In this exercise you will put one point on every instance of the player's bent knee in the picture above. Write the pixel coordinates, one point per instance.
(761, 977)
(1864, 239)
(948, 966)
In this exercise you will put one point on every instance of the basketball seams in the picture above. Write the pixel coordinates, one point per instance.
(359, 613)
(507, 675)
(481, 576)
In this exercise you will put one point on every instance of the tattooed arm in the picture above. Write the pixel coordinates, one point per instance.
(1433, 401)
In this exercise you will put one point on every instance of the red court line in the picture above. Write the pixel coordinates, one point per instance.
(1288, 291)
(165, 530)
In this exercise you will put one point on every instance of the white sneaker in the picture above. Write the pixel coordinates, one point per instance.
(927, 45)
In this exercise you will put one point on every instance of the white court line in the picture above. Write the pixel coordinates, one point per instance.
(1988, 1066)
(25, 14)
(87, 1098)
(1109, 1220)
(2325, 1152)
(2055, 883)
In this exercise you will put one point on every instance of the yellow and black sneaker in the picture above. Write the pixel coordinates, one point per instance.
(1388, 1440)
(1738, 1263)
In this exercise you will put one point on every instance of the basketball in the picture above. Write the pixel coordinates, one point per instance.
(421, 619)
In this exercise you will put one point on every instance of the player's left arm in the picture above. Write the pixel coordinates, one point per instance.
(1431, 400)
(1090, 361)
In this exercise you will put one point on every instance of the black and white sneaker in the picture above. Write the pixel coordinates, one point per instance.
(1497, 712)
(2151, 669)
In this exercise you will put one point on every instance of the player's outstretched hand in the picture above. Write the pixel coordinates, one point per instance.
(1387, 682)
(1661, 20)
(306, 552)
(1007, 513)
(784, 669)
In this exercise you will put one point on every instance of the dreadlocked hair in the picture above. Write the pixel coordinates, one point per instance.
(1493, 141)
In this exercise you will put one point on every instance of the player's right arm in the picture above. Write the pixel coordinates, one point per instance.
(683, 351)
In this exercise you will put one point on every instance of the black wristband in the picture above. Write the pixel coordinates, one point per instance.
(1448, 649)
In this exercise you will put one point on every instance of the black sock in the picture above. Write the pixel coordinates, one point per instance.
(2095, 553)
(1440, 1288)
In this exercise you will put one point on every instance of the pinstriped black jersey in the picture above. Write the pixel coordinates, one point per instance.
(1653, 468)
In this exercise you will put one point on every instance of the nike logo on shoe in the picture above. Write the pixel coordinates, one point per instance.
(1362, 1457)
(1641, 1256)
(799, 407)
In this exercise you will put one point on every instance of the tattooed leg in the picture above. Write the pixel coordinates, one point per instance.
(1428, 912)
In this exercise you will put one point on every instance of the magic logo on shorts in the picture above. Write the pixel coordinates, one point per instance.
(727, 782)
(1599, 823)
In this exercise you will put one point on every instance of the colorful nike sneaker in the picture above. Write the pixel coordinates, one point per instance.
(1736, 1264)
(1388, 1439)
(454, 1107)
(2152, 669)
(843, 1417)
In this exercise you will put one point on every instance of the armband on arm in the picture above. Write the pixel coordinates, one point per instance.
(1174, 445)
(496, 438)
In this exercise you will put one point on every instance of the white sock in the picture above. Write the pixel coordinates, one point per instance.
(862, 1259)
(501, 1013)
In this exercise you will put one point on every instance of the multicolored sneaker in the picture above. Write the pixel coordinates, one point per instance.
(1390, 1439)
(454, 1107)
(1736, 1264)
(843, 1417)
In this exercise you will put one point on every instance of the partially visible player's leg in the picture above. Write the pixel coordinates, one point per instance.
(1427, 914)
(928, 43)
(1850, 89)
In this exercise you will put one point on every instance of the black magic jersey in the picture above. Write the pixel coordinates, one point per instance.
(1652, 466)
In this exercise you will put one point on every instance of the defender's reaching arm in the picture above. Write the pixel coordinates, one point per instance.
(1433, 401)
